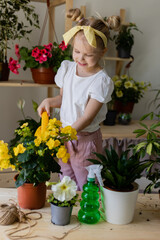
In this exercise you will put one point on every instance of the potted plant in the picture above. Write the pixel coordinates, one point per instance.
(120, 190)
(12, 28)
(43, 61)
(62, 200)
(151, 146)
(33, 153)
(111, 114)
(127, 92)
(124, 40)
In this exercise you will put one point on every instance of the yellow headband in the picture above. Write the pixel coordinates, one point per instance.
(89, 33)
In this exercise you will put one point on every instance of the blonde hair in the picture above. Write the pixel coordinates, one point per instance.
(104, 26)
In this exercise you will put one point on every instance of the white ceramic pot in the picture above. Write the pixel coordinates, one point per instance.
(119, 207)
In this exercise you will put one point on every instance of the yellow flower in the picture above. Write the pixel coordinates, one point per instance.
(118, 83)
(65, 159)
(54, 132)
(19, 149)
(54, 123)
(24, 125)
(119, 94)
(141, 83)
(53, 143)
(4, 156)
(124, 76)
(128, 84)
(71, 131)
(61, 152)
(115, 78)
(37, 142)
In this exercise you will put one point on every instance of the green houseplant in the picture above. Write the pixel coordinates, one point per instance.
(33, 153)
(127, 92)
(12, 27)
(62, 200)
(119, 193)
(44, 59)
(124, 39)
(151, 146)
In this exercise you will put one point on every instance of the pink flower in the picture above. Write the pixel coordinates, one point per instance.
(49, 46)
(14, 65)
(35, 52)
(42, 56)
(17, 51)
(63, 46)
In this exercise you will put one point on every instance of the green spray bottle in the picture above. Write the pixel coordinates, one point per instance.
(89, 212)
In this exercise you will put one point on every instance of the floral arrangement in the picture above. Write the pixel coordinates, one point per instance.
(63, 193)
(50, 55)
(33, 153)
(126, 89)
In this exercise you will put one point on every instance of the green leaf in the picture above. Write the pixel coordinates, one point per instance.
(149, 148)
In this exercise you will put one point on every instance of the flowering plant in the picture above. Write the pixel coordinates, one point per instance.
(50, 55)
(34, 153)
(126, 89)
(63, 193)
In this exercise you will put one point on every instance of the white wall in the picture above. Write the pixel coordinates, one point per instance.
(144, 13)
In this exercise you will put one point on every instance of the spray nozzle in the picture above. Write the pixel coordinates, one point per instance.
(93, 170)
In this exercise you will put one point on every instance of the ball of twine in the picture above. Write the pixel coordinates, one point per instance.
(8, 214)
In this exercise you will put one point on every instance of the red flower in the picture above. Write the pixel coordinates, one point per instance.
(17, 51)
(14, 65)
(63, 46)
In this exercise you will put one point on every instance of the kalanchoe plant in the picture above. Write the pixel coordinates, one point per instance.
(63, 193)
(119, 172)
(126, 89)
(50, 55)
(34, 153)
(151, 146)
(11, 26)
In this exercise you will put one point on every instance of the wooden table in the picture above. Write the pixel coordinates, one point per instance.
(123, 131)
(145, 226)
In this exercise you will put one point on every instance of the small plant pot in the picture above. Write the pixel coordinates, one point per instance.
(123, 53)
(31, 197)
(119, 207)
(124, 118)
(110, 118)
(43, 75)
(60, 215)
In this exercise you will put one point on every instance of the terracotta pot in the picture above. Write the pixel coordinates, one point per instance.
(43, 75)
(123, 108)
(30, 197)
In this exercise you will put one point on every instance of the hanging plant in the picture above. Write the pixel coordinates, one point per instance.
(11, 26)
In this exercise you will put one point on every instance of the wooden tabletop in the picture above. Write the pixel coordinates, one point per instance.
(145, 226)
(123, 131)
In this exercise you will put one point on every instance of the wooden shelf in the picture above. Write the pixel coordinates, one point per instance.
(118, 59)
(24, 83)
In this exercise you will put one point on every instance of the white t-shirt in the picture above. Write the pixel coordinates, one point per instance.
(77, 91)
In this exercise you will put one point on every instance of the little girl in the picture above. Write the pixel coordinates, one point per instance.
(85, 88)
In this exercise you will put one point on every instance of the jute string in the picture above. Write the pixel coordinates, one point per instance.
(11, 213)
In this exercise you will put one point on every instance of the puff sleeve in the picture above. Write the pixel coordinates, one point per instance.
(59, 78)
(101, 89)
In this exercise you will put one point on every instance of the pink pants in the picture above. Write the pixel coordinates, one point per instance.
(79, 151)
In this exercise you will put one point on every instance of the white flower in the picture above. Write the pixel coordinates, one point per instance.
(65, 190)
(21, 103)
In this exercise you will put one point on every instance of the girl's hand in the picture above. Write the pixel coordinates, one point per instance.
(44, 106)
